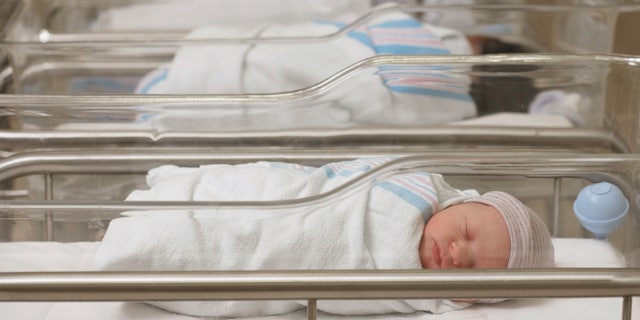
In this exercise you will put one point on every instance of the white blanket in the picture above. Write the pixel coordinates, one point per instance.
(389, 95)
(377, 225)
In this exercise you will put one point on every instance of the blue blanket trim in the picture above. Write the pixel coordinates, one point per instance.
(408, 196)
(403, 49)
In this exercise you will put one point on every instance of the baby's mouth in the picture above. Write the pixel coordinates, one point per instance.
(435, 253)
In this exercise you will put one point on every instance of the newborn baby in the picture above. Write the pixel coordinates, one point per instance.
(393, 219)
(492, 231)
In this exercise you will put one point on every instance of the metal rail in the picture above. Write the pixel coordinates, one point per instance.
(366, 138)
(318, 285)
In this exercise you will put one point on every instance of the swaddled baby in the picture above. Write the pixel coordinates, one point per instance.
(393, 220)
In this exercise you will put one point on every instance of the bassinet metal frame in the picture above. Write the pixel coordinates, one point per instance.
(310, 285)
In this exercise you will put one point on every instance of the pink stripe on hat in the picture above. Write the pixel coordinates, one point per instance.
(531, 245)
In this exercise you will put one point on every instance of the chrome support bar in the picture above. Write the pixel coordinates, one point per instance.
(627, 303)
(557, 184)
(370, 137)
(320, 284)
(312, 309)
(48, 195)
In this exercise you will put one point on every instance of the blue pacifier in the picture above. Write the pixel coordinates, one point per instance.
(600, 208)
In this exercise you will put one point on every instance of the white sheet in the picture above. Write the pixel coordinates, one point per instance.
(32, 256)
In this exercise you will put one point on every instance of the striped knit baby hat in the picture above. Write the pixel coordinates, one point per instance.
(531, 245)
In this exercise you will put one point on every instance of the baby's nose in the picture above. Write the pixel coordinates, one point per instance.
(460, 254)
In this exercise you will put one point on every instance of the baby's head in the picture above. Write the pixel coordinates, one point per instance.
(494, 230)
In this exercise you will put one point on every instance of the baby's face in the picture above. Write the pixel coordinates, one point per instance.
(468, 235)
